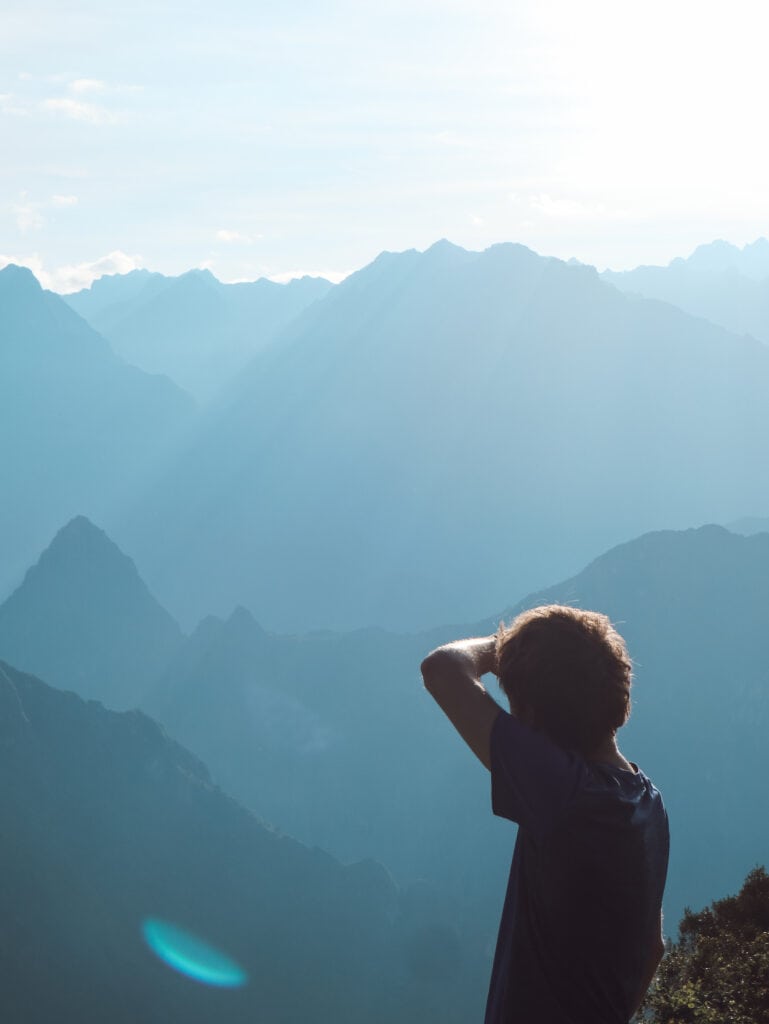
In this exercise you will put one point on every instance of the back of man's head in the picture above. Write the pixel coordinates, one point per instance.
(568, 672)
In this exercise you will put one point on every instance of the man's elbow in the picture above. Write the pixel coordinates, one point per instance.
(434, 668)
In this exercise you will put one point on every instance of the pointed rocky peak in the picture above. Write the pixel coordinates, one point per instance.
(83, 547)
(445, 257)
(721, 256)
(82, 561)
(242, 618)
(198, 277)
(242, 625)
(83, 619)
(444, 248)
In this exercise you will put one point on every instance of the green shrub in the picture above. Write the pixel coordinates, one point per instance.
(718, 971)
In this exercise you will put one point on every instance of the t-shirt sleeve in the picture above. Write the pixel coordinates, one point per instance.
(533, 780)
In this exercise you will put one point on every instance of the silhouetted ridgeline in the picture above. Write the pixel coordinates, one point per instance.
(106, 821)
(193, 328)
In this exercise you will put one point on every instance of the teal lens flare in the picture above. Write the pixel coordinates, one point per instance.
(191, 956)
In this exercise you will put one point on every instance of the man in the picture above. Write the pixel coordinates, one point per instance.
(581, 931)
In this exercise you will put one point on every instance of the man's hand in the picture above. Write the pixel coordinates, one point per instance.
(452, 675)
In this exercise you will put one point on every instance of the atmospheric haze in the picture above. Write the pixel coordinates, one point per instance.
(239, 515)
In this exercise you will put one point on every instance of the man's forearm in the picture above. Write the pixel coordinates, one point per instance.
(452, 675)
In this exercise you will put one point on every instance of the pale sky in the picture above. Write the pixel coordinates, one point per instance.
(270, 139)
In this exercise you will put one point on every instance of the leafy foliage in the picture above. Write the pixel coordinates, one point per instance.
(718, 971)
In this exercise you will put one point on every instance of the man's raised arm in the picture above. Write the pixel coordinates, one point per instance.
(452, 675)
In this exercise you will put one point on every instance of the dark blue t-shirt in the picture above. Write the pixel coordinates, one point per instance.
(583, 900)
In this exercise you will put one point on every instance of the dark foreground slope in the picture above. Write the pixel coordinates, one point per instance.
(105, 822)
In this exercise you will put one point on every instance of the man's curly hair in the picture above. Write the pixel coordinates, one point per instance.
(568, 672)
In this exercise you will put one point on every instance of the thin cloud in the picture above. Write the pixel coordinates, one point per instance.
(78, 111)
(10, 104)
(28, 215)
(86, 85)
(225, 235)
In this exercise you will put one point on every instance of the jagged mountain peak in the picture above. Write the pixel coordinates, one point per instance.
(83, 545)
(443, 247)
(720, 256)
(242, 618)
(198, 276)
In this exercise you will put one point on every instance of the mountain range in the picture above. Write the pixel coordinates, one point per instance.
(443, 428)
(720, 282)
(193, 328)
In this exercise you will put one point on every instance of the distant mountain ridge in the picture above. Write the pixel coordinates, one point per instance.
(79, 429)
(417, 438)
(726, 285)
(752, 259)
(193, 328)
